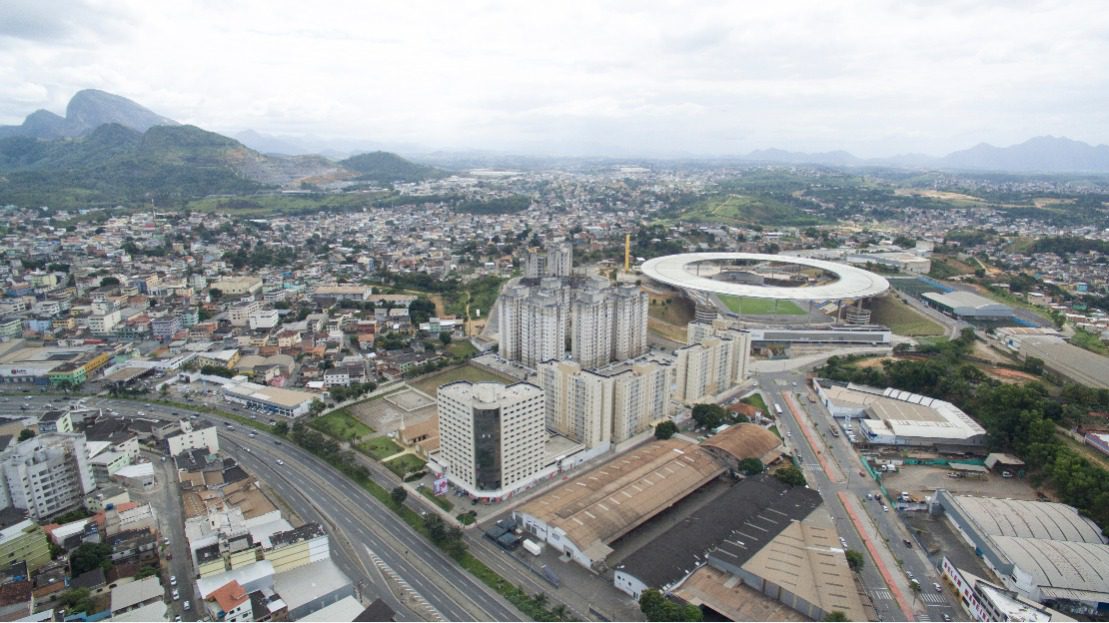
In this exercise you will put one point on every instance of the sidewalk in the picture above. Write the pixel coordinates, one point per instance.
(889, 568)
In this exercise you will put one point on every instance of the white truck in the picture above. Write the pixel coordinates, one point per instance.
(534, 548)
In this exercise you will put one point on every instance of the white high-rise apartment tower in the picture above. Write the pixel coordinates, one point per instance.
(557, 260)
(610, 405)
(491, 435)
(716, 361)
(629, 322)
(591, 327)
(46, 475)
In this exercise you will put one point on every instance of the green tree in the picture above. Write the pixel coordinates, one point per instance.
(665, 429)
(89, 556)
(1033, 365)
(26, 434)
(791, 475)
(217, 371)
(835, 615)
(656, 607)
(751, 467)
(77, 600)
(445, 338)
(108, 282)
(215, 293)
(709, 415)
(421, 310)
(855, 560)
(399, 495)
(281, 428)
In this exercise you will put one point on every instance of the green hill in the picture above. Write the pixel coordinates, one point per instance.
(117, 164)
(384, 167)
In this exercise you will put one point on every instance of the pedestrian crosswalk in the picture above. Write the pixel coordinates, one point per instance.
(880, 593)
(923, 616)
(934, 598)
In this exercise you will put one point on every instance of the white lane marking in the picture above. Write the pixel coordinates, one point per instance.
(388, 571)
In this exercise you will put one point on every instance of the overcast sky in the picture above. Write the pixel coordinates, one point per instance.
(580, 78)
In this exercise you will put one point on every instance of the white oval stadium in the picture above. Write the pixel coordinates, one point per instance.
(850, 282)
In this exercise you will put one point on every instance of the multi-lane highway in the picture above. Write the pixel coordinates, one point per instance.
(381, 553)
(832, 467)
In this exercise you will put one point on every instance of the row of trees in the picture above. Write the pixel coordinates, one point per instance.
(328, 449)
(354, 390)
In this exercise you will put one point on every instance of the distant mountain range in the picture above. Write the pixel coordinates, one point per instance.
(87, 110)
(109, 149)
(1043, 154)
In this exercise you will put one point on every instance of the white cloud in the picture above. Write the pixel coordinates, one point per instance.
(876, 77)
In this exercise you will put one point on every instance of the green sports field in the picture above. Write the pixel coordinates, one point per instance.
(749, 306)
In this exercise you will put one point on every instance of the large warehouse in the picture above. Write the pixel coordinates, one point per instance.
(583, 516)
(898, 418)
(967, 305)
(1044, 551)
(275, 400)
(772, 537)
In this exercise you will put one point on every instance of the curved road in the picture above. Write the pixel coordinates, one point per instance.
(411, 574)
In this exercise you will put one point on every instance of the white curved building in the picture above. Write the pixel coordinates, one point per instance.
(681, 271)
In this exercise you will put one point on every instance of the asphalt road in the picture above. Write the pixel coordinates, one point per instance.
(929, 605)
(166, 500)
(370, 543)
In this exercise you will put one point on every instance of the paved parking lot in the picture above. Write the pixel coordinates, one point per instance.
(924, 480)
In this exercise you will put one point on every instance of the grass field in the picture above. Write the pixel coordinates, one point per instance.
(1090, 341)
(340, 425)
(748, 306)
(430, 384)
(438, 500)
(461, 348)
(378, 447)
(675, 310)
(756, 401)
(746, 209)
(902, 319)
(406, 464)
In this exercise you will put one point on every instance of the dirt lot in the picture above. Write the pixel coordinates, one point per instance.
(1005, 375)
(990, 354)
(430, 384)
(923, 480)
(385, 417)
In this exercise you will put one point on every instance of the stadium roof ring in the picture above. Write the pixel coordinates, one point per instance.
(850, 282)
